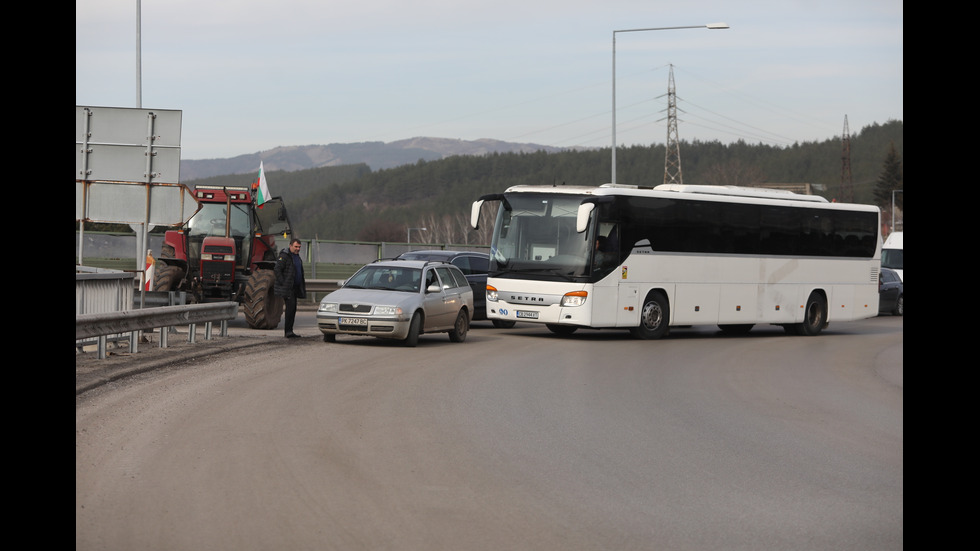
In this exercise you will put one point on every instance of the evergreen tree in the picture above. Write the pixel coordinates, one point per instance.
(890, 179)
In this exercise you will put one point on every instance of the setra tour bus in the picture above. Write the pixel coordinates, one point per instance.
(619, 256)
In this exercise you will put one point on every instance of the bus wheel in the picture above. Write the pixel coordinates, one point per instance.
(815, 315)
(561, 329)
(654, 318)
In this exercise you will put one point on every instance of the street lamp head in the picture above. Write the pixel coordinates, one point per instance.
(711, 26)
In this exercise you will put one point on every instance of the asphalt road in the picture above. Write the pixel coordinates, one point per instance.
(514, 439)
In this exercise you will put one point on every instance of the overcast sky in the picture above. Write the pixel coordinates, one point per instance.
(252, 75)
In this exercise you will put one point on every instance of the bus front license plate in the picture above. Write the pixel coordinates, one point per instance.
(527, 315)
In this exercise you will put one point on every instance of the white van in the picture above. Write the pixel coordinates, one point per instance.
(891, 254)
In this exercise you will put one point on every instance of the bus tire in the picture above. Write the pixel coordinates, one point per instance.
(654, 318)
(504, 324)
(814, 315)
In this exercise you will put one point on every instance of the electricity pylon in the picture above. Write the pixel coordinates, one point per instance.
(672, 162)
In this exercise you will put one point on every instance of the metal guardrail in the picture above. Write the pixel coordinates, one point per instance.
(101, 325)
(108, 308)
(323, 285)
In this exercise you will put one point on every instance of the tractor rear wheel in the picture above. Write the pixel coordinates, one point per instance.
(263, 309)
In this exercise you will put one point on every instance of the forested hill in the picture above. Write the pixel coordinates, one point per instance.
(353, 202)
(377, 155)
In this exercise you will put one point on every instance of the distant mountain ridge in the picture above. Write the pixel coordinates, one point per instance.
(377, 155)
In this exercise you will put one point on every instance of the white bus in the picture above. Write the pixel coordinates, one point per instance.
(618, 256)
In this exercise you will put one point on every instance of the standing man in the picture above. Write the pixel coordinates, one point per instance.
(290, 282)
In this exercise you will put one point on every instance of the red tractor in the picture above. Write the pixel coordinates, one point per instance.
(226, 252)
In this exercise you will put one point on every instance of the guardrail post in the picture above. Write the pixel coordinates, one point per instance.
(101, 347)
(191, 333)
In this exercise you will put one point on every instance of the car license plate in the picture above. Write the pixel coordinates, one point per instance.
(527, 314)
(353, 321)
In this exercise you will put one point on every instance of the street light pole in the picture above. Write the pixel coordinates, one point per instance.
(708, 26)
(894, 191)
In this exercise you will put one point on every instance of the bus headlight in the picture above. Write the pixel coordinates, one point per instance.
(575, 298)
(491, 293)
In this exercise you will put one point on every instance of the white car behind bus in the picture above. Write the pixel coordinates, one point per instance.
(892, 254)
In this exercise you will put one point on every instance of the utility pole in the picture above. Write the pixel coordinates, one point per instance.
(672, 162)
(846, 185)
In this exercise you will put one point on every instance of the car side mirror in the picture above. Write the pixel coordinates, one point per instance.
(434, 288)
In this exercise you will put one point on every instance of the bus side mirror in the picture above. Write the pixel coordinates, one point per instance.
(475, 214)
(582, 220)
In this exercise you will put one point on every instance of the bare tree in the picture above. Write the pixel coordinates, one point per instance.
(455, 228)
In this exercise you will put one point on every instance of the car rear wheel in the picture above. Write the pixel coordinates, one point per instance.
(462, 325)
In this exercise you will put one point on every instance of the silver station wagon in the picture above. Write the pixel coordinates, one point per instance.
(399, 299)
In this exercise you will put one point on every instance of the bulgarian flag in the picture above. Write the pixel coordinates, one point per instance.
(263, 185)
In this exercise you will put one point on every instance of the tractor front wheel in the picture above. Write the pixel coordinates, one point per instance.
(167, 277)
(263, 309)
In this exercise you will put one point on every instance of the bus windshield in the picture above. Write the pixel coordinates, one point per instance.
(535, 234)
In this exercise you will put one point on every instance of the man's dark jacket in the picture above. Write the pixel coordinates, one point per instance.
(286, 276)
